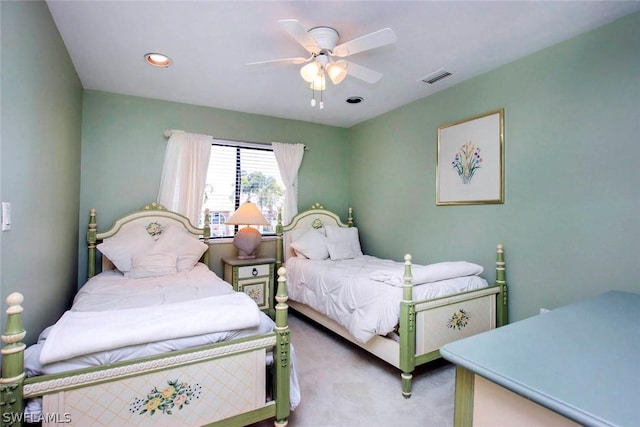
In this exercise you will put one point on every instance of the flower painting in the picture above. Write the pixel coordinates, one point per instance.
(470, 162)
(174, 396)
(458, 320)
(467, 161)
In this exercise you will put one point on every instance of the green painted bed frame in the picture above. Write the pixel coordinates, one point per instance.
(419, 320)
(209, 365)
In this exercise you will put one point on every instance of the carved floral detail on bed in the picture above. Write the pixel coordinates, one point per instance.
(155, 229)
(175, 395)
(459, 320)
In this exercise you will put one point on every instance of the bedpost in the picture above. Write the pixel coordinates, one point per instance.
(350, 217)
(206, 233)
(501, 280)
(407, 330)
(91, 244)
(11, 405)
(279, 242)
(282, 358)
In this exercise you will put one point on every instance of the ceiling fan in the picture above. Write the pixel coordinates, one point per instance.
(326, 55)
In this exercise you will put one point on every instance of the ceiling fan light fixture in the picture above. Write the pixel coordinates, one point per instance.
(336, 73)
(157, 59)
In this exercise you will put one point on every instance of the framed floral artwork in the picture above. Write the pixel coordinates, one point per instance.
(470, 162)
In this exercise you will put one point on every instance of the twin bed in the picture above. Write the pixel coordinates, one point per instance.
(204, 354)
(400, 312)
(154, 339)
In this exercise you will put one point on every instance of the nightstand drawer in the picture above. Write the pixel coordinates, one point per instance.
(250, 271)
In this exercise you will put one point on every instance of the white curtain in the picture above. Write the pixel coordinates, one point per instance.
(289, 158)
(184, 174)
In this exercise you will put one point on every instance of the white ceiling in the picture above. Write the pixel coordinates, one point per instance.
(210, 43)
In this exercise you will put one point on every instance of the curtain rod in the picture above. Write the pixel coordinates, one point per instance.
(167, 133)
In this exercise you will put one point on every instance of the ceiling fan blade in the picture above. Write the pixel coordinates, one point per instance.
(360, 72)
(370, 41)
(298, 60)
(300, 34)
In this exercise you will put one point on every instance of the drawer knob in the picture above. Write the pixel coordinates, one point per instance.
(254, 272)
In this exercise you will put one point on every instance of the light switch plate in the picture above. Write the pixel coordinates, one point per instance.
(6, 216)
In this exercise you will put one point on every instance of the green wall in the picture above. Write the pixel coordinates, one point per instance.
(572, 139)
(123, 149)
(569, 223)
(40, 164)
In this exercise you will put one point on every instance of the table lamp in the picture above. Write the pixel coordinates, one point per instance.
(247, 239)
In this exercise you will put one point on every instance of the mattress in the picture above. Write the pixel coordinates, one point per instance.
(344, 291)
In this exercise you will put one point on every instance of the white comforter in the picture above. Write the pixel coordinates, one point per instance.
(112, 311)
(345, 292)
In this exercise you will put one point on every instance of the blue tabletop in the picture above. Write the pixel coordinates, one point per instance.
(580, 360)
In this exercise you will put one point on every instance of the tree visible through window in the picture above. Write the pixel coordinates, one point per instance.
(239, 172)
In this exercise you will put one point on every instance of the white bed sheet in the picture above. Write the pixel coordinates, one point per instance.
(343, 291)
(111, 290)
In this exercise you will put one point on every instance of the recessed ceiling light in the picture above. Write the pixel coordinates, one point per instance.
(157, 59)
(355, 99)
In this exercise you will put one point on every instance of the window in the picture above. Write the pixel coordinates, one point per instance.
(239, 172)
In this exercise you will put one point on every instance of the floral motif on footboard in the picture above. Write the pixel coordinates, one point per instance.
(458, 320)
(174, 396)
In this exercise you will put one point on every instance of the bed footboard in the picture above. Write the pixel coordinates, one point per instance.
(425, 326)
(192, 388)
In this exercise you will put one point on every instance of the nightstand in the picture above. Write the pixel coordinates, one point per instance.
(254, 277)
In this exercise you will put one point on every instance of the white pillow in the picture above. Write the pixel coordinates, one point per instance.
(131, 240)
(153, 265)
(312, 244)
(340, 250)
(177, 240)
(347, 235)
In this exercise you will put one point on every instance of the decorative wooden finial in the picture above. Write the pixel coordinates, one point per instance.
(14, 331)
(14, 300)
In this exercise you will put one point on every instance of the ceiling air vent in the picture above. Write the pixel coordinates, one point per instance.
(435, 76)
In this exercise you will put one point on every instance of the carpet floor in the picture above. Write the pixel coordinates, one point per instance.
(342, 385)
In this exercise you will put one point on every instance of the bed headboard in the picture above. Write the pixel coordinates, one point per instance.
(150, 213)
(316, 217)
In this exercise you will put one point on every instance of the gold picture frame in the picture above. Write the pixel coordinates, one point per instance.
(470, 161)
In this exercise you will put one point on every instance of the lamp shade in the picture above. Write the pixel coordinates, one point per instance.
(319, 83)
(247, 239)
(336, 72)
(247, 214)
(310, 71)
